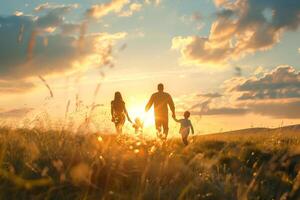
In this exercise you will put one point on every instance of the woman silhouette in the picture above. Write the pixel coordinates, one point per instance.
(119, 112)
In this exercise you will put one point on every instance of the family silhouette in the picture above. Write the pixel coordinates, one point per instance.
(162, 102)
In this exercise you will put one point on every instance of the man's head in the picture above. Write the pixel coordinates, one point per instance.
(160, 87)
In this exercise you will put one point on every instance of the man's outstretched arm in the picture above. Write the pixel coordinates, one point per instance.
(149, 104)
(171, 106)
(176, 120)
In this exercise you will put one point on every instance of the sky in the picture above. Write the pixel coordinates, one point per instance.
(233, 63)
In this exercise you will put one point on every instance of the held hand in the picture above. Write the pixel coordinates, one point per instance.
(174, 116)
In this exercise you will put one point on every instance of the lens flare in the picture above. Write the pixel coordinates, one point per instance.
(138, 111)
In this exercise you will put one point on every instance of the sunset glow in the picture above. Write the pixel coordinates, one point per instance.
(150, 99)
(137, 110)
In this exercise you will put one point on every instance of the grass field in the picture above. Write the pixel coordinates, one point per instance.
(250, 164)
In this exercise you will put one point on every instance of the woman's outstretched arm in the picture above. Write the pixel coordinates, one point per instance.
(127, 115)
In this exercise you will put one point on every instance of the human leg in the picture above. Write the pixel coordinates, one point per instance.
(184, 136)
(158, 126)
(119, 123)
(119, 128)
(185, 140)
(166, 128)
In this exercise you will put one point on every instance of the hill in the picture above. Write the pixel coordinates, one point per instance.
(284, 129)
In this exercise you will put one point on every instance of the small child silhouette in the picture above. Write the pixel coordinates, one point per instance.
(185, 126)
(138, 125)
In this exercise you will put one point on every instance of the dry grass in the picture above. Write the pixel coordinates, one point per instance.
(59, 165)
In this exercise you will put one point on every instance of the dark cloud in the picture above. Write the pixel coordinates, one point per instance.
(275, 94)
(70, 28)
(288, 110)
(210, 95)
(241, 27)
(203, 107)
(49, 20)
(238, 71)
(54, 15)
(57, 56)
(281, 83)
(48, 45)
(223, 111)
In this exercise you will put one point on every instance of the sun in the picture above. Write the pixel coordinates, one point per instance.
(138, 111)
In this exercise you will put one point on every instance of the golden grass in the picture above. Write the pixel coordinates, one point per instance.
(39, 164)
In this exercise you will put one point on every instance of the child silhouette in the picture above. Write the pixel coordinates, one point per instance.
(185, 126)
(138, 125)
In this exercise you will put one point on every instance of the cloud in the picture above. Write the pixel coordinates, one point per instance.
(241, 27)
(16, 113)
(238, 71)
(134, 7)
(259, 70)
(54, 14)
(70, 28)
(210, 95)
(116, 6)
(223, 111)
(199, 104)
(44, 45)
(196, 16)
(18, 13)
(100, 10)
(203, 106)
(196, 19)
(275, 94)
(281, 83)
(16, 86)
(155, 2)
(219, 3)
(55, 7)
(199, 50)
(60, 54)
(289, 110)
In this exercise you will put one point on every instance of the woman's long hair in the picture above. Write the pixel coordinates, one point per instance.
(118, 97)
(118, 103)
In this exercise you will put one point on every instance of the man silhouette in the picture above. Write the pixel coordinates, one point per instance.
(161, 100)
